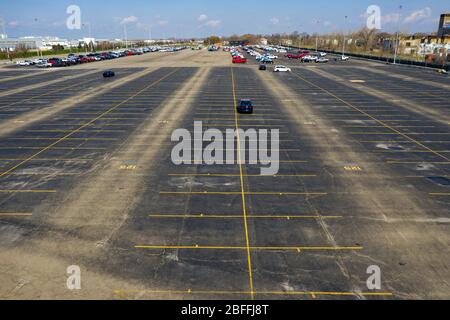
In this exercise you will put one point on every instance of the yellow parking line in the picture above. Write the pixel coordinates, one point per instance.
(244, 206)
(45, 159)
(245, 193)
(26, 191)
(272, 248)
(67, 139)
(266, 293)
(237, 175)
(91, 131)
(15, 214)
(224, 216)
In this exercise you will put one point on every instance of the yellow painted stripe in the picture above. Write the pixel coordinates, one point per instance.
(290, 248)
(247, 240)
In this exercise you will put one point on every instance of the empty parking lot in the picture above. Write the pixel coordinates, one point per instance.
(87, 179)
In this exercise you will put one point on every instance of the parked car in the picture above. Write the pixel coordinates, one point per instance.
(245, 106)
(238, 59)
(56, 62)
(345, 58)
(295, 56)
(25, 63)
(262, 67)
(44, 64)
(322, 60)
(281, 69)
(309, 58)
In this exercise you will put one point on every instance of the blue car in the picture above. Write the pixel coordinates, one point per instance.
(245, 106)
(108, 74)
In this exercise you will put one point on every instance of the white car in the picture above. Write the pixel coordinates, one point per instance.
(25, 63)
(345, 58)
(309, 58)
(44, 64)
(322, 54)
(281, 69)
(271, 56)
(322, 60)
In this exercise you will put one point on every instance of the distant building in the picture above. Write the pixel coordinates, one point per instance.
(236, 43)
(444, 25)
(12, 44)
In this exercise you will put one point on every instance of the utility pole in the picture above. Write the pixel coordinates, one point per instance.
(317, 37)
(343, 42)
(4, 32)
(397, 38)
(125, 34)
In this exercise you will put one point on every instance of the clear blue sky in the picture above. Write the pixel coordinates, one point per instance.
(198, 18)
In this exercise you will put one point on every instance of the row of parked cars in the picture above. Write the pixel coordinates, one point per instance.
(74, 59)
(236, 55)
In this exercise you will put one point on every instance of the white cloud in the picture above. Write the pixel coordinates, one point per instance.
(390, 18)
(163, 23)
(213, 23)
(13, 24)
(274, 20)
(418, 15)
(130, 19)
(202, 18)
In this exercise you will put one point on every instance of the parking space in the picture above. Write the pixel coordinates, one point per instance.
(33, 78)
(15, 104)
(47, 157)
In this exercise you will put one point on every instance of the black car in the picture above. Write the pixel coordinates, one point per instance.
(245, 106)
(108, 74)
(262, 67)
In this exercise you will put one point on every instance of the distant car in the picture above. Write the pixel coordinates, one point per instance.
(309, 58)
(281, 69)
(442, 71)
(322, 54)
(238, 59)
(262, 67)
(56, 62)
(44, 64)
(295, 56)
(245, 106)
(322, 60)
(345, 58)
(108, 74)
(266, 60)
(25, 63)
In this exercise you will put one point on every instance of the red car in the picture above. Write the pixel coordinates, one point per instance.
(239, 60)
(296, 56)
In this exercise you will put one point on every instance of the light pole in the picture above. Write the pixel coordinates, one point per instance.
(397, 38)
(317, 37)
(125, 35)
(4, 33)
(343, 42)
(88, 24)
(150, 35)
